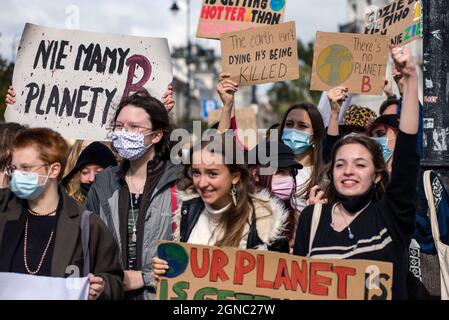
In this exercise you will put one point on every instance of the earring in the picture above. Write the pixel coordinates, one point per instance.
(234, 195)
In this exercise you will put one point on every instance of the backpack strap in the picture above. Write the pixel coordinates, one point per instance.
(431, 203)
(317, 208)
(85, 235)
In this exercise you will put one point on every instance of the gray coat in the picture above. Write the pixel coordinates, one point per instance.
(103, 199)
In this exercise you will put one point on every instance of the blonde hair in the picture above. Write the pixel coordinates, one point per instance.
(74, 154)
(73, 188)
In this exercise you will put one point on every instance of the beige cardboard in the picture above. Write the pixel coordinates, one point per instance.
(77, 88)
(261, 55)
(400, 20)
(234, 274)
(355, 61)
(221, 16)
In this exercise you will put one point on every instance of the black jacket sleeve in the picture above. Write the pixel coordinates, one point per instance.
(104, 259)
(399, 204)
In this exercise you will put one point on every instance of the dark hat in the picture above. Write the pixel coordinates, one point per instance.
(95, 153)
(391, 120)
(284, 157)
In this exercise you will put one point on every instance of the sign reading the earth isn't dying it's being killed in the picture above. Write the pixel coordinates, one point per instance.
(222, 16)
(203, 273)
(355, 61)
(262, 55)
(72, 81)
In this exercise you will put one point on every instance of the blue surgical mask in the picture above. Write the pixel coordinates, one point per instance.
(298, 141)
(386, 152)
(129, 145)
(25, 185)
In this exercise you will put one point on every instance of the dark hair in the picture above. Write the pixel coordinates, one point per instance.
(318, 138)
(8, 131)
(386, 104)
(376, 154)
(50, 144)
(158, 116)
(235, 219)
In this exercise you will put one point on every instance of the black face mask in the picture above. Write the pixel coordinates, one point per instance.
(354, 204)
(85, 187)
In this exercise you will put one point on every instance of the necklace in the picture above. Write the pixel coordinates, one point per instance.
(350, 234)
(137, 195)
(25, 259)
(134, 235)
(37, 214)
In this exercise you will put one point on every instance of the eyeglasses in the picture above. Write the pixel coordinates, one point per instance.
(26, 169)
(133, 128)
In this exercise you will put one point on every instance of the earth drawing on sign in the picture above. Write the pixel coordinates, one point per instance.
(335, 64)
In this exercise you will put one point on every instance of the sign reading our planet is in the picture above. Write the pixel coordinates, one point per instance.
(211, 273)
(222, 16)
(355, 61)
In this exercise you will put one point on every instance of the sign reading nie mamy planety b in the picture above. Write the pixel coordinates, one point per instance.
(72, 81)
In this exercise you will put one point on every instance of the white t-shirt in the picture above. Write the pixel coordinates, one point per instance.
(302, 178)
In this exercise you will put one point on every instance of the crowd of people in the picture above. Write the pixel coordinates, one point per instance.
(337, 191)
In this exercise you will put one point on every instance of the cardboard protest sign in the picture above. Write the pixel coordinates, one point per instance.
(202, 272)
(356, 61)
(221, 16)
(400, 20)
(72, 81)
(261, 55)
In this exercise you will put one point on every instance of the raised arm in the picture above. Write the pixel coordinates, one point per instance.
(336, 97)
(404, 64)
(226, 88)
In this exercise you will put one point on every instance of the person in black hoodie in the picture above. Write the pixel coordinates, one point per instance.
(367, 217)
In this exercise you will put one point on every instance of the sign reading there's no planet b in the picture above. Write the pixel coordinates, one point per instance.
(261, 55)
(355, 61)
(222, 16)
(72, 81)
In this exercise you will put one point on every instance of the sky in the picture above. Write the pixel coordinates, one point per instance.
(146, 18)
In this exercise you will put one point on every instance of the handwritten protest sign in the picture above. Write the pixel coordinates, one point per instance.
(72, 81)
(221, 16)
(261, 55)
(201, 272)
(356, 61)
(400, 20)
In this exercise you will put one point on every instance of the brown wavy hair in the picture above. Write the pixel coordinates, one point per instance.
(318, 138)
(234, 220)
(380, 168)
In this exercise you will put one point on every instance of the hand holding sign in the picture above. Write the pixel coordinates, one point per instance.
(227, 88)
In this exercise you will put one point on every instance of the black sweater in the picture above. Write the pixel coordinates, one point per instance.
(382, 231)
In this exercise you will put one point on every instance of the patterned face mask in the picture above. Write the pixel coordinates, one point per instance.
(130, 146)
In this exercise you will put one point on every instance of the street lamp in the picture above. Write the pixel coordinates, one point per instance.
(188, 58)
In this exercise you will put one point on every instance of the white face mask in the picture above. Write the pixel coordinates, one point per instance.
(129, 145)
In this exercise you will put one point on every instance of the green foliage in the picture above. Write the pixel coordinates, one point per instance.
(6, 70)
(284, 94)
